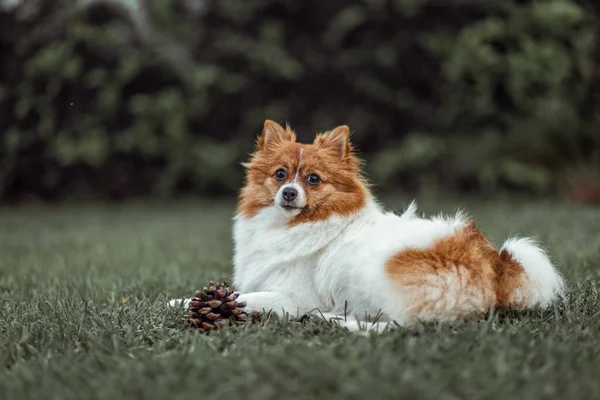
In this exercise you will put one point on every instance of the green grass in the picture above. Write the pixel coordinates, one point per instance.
(83, 316)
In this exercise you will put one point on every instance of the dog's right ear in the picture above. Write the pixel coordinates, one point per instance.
(273, 134)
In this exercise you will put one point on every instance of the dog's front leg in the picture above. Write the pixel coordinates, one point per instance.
(275, 302)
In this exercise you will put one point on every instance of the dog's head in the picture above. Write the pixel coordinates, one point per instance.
(306, 182)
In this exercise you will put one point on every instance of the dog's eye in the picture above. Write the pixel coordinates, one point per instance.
(280, 174)
(313, 179)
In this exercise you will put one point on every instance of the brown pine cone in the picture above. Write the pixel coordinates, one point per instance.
(212, 306)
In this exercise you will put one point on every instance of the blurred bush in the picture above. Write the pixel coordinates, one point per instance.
(121, 99)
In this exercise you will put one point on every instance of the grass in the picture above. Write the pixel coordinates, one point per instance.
(83, 315)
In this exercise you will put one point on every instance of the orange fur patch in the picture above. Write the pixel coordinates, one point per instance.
(511, 283)
(457, 277)
(341, 190)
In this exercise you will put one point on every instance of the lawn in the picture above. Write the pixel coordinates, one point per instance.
(83, 315)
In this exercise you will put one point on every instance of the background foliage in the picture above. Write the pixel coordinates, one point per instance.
(165, 98)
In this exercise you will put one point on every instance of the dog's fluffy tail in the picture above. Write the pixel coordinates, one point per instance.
(526, 277)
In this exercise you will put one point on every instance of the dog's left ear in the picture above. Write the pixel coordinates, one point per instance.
(338, 140)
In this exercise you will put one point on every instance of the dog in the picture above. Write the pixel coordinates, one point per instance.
(310, 237)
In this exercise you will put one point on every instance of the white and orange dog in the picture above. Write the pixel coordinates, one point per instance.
(310, 237)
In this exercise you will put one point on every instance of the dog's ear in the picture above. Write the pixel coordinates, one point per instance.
(274, 134)
(337, 140)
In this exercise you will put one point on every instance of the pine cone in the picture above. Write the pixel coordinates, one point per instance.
(212, 306)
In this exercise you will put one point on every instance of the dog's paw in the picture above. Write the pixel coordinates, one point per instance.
(264, 302)
(176, 303)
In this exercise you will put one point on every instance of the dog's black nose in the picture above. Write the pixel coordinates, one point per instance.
(289, 194)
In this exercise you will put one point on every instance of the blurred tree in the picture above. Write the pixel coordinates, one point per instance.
(164, 98)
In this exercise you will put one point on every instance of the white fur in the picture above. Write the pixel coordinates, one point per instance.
(300, 152)
(545, 283)
(336, 268)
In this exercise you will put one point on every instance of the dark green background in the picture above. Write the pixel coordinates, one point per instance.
(470, 96)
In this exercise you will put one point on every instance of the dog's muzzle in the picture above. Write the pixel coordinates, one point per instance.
(291, 197)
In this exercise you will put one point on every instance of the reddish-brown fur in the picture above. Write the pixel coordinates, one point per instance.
(457, 277)
(510, 281)
(342, 190)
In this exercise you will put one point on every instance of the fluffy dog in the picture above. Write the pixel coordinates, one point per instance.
(309, 235)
